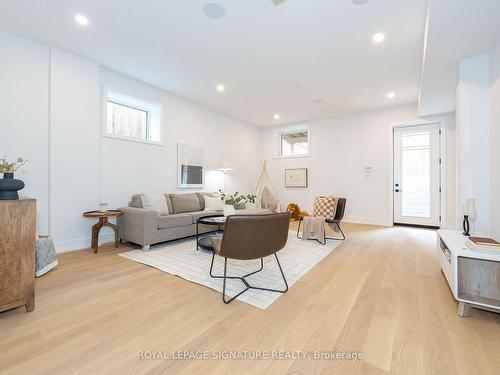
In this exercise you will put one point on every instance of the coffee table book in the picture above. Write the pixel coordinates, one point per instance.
(483, 244)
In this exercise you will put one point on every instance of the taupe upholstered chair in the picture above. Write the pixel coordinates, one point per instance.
(248, 237)
(335, 220)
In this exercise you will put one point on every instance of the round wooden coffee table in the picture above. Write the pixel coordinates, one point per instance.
(103, 222)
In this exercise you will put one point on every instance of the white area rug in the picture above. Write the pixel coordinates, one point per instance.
(180, 258)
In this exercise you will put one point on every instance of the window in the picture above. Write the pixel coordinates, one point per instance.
(127, 121)
(293, 141)
(131, 119)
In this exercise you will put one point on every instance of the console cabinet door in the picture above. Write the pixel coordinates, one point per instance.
(17, 253)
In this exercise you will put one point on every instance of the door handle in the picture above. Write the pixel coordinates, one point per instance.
(398, 190)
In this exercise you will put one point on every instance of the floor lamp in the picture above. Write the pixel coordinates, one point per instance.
(225, 170)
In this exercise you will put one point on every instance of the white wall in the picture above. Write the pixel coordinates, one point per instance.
(50, 114)
(78, 168)
(495, 143)
(24, 115)
(341, 148)
(129, 166)
(473, 132)
(74, 147)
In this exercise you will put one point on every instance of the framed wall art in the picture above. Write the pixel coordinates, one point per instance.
(190, 168)
(296, 178)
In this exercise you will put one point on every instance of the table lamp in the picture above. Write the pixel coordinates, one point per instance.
(469, 215)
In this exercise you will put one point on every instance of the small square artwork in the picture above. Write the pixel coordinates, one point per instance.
(296, 178)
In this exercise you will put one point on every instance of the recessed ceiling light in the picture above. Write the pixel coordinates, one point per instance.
(378, 38)
(276, 116)
(359, 2)
(214, 11)
(390, 95)
(220, 87)
(81, 19)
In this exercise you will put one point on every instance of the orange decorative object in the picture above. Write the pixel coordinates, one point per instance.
(294, 211)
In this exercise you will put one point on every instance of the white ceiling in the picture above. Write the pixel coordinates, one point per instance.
(272, 59)
(457, 29)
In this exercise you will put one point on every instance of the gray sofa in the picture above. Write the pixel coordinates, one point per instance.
(146, 227)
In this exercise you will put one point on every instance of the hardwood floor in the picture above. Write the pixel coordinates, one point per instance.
(380, 293)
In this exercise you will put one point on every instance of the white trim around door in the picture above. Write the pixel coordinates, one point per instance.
(443, 166)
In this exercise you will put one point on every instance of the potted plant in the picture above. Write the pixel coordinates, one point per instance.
(238, 201)
(9, 186)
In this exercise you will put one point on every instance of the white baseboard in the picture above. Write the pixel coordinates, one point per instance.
(84, 243)
(81, 243)
(368, 221)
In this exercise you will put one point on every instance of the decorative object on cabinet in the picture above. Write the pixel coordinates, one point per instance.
(469, 215)
(9, 186)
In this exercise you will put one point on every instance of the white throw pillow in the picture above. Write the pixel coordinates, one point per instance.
(155, 201)
(213, 204)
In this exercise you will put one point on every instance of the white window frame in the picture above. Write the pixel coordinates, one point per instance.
(154, 113)
(286, 130)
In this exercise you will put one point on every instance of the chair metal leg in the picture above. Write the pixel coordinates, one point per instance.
(336, 238)
(197, 236)
(282, 275)
(233, 277)
(224, 286)
(243, 280)
(340, 229)
(298, 230)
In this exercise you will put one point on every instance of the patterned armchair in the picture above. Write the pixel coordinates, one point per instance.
(332, 209)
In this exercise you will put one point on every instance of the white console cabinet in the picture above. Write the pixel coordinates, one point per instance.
(474, 277)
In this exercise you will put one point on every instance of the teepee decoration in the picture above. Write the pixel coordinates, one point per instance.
(266, 196)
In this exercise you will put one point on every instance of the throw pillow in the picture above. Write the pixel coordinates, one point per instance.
(155, 201)
(213, 204)
(325, 206)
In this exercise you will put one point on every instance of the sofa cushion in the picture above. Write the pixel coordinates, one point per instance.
(136, 201)
(201, 198)
(213, 203)
(174, 221)
(155, 201)
(169, 204)
(185, 203)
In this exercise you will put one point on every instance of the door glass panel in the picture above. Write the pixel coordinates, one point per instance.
(416, 173)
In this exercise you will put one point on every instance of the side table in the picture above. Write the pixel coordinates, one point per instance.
(472, 275)
(103, 222)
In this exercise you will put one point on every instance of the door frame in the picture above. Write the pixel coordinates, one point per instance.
(443, 170)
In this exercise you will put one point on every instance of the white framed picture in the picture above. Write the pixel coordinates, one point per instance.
(190, 167)
(296, 178)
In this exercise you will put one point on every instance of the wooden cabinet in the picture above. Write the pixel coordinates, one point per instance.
(17, 253)
(473, 276)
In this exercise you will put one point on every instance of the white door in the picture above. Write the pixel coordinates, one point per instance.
(417, 175)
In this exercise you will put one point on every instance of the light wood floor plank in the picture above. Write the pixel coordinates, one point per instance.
(381, 293)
